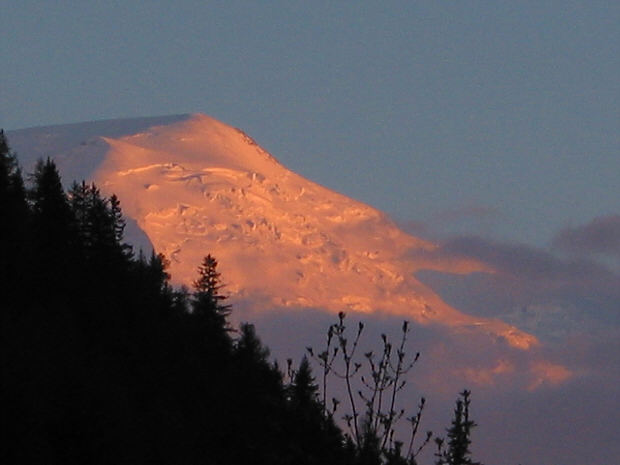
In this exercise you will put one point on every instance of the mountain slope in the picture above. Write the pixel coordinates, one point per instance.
(197, 186)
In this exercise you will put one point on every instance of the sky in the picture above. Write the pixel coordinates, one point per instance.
(490, 127)
(494, 118)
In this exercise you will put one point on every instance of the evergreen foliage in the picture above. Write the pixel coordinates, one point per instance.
(208, 302)
(456, 451)
(14, 221)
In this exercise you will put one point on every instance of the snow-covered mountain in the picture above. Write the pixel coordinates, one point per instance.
(195, 186)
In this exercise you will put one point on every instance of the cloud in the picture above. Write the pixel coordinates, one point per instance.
(530, 287)
(524, 261)
(599, 236)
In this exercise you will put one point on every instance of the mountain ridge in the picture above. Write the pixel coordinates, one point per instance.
(195, 186)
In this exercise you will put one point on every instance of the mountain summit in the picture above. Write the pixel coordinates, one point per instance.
(195, 186)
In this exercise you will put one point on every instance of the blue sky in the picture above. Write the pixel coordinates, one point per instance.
(494, 118)
(492, 127)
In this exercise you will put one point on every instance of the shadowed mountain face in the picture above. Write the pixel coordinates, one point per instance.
(195, 186)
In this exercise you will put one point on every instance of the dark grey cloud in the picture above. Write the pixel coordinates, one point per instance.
(532, 288)
(599, 236)
(527, 262)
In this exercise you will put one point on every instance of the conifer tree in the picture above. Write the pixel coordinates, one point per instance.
(303, 390)
(14, 285)
(208, 301)
(118, 225)
(100, 225)
(12, 192)
(14, 217)
(47, 194)
(56, 240)
(208, 327)
(53, 218)
(456, 451)
(314, 437)
(258, 402)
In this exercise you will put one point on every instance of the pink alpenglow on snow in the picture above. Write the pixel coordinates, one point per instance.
(196, 186)
(201, 186)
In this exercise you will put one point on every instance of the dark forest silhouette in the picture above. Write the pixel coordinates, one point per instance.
(103, 362)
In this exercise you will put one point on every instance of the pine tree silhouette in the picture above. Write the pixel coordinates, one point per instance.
(208, 287)
(314, 437)
(14, 217)
(56, 242)
(207, 300)
(456, 451)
